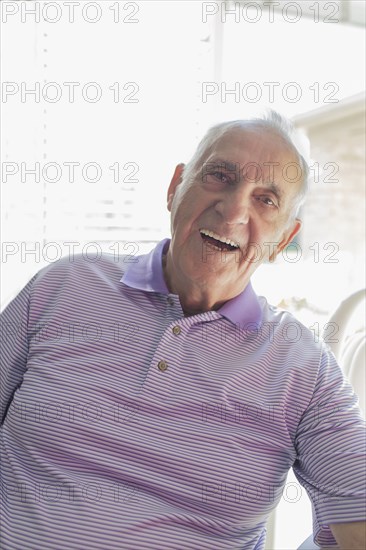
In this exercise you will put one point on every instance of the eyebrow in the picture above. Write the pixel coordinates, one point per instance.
(219, 163)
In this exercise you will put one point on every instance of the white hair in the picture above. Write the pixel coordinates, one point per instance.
(272, 122)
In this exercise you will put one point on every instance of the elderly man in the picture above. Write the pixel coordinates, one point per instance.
(159, 403)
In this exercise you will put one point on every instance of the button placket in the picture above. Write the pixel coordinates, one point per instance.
(165, 365)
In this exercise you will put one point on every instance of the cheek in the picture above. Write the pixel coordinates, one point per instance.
(182, 219)
(187, 210)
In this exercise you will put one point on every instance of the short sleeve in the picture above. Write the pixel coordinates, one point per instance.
(13, 346)
(331, 445)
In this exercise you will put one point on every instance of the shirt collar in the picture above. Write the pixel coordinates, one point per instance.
(146, 273)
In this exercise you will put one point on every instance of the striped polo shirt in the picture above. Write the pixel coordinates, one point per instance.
(127, 425)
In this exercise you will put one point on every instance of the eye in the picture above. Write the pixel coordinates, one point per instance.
(267, 201)
(220, 176)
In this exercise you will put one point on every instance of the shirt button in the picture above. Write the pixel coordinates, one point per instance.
(176, 330)
(162, 365)
(170, 300)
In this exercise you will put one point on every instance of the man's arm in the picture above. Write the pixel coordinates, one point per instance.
(331, 459)
(13, 346)
(350, 536)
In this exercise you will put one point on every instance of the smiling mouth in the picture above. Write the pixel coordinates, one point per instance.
(218, 242)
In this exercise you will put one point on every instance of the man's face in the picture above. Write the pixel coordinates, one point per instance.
(242, 192)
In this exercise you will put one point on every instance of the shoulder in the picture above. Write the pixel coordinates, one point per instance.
(285, 327)
(78, 266)
(74, 279)
(304, 358)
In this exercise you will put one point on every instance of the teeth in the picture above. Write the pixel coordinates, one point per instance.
(218, 238)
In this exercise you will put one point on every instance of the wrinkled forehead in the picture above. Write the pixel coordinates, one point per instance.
(247, 144)
(257, 153)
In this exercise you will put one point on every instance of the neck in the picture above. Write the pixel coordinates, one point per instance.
(194, 297)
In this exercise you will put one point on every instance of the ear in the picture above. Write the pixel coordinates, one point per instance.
(287, 238)
(175, 181)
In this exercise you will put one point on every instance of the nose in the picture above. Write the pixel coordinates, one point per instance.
(234, 207)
